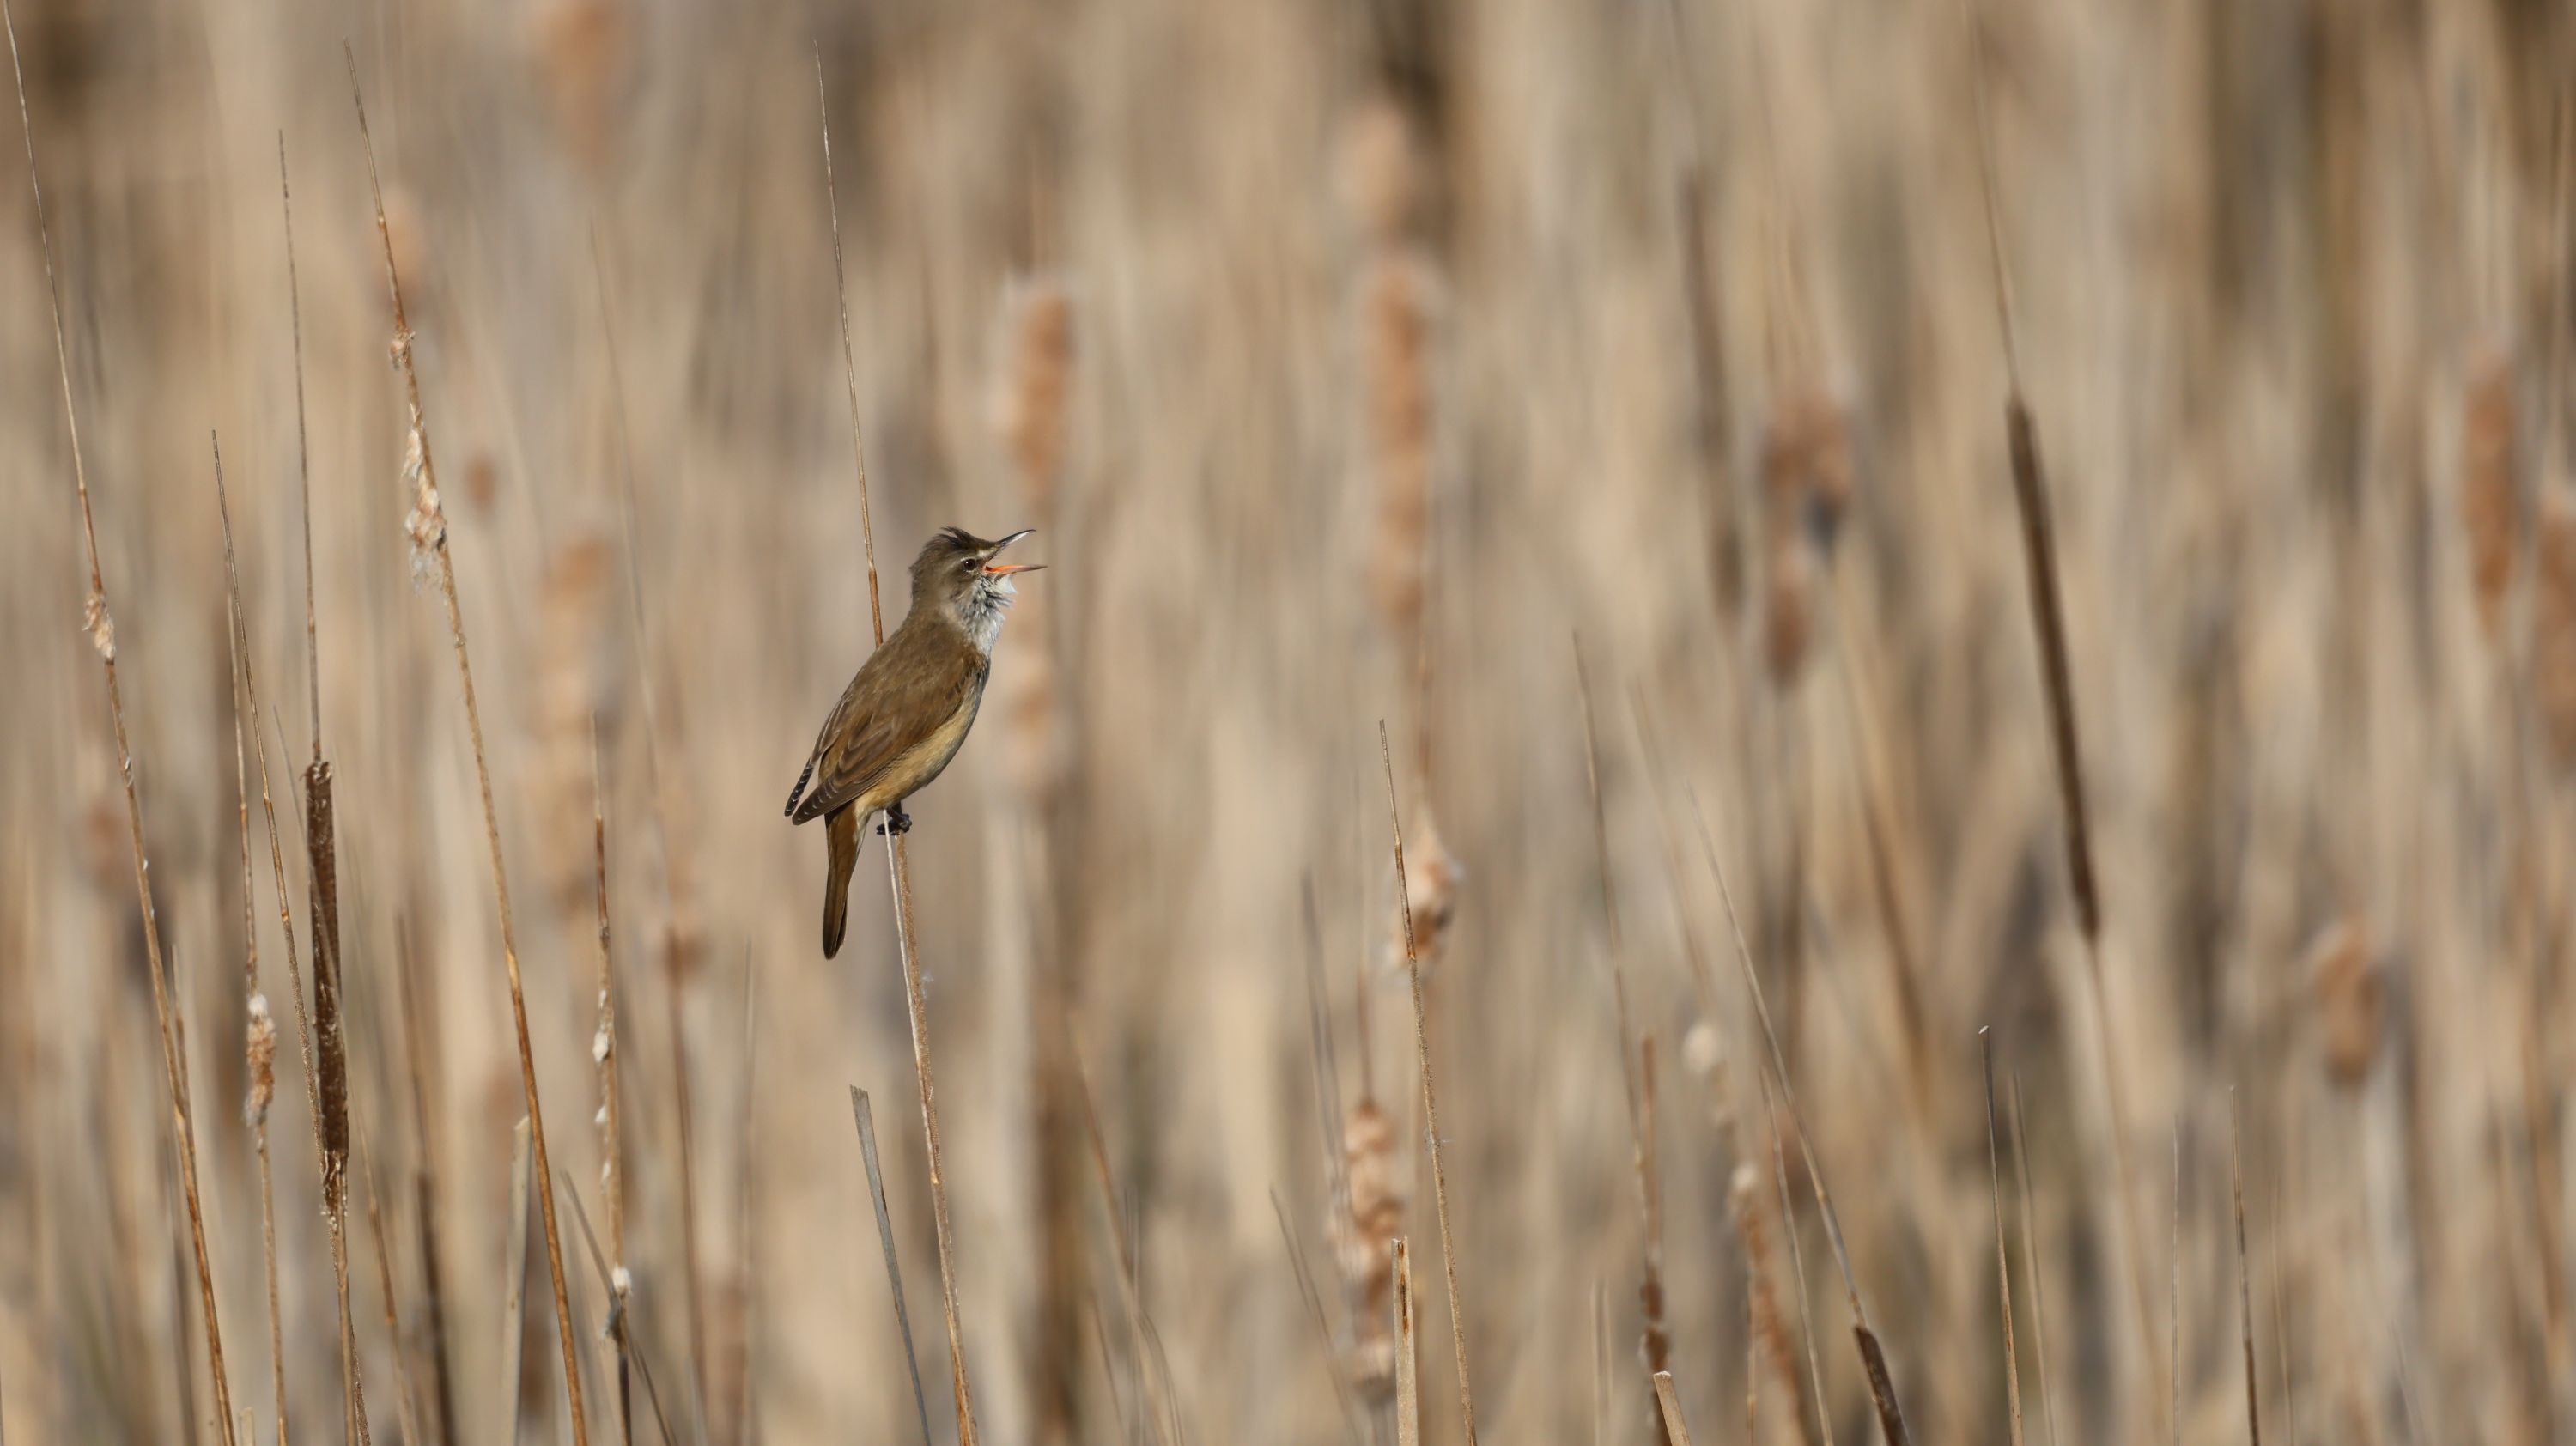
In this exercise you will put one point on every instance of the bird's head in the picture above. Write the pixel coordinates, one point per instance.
(958, 573)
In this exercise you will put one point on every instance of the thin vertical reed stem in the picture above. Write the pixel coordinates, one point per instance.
(898, 867)
(1430, 1102)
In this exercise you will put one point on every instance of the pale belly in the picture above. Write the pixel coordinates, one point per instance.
(923, 761)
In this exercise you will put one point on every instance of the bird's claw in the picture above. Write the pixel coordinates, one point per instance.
(897, 823)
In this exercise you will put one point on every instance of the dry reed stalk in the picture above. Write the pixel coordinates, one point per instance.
(1882, 1384)
(1130, 1280)
(353, 1396)
(1408, 1374)
(571, 601)
(603, 1059)
(675, 950)
(2003, 1253)
(1765, 1322)
(899, 874)
(744, 1297)
(885, 1240)
(1878, 829)
(514, 1293)
(1797, 1257)
(102, 632)
(1430, 1102)
(259, 1045)
(2048, 625)
(2244, 1272)
(2490, 481)
(1676, 1429)
(424, 1185)
(2030, 1262)
(1364, 1354)
(428, 528)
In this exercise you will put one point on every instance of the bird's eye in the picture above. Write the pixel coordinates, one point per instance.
(973, 564)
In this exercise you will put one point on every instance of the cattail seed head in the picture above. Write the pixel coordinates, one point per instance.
(1396, 364)
(260, 1050)
(2352, 1001)
(2490, 485)
(1373, 1215)
(1431, 878)
(1807, 468)
(1381, 170)
(1030, 403)
(2553, 629)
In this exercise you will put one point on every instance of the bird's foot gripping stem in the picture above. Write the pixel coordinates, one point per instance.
(897, 823)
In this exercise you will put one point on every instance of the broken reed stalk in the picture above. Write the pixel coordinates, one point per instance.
(1666, 1397)
(353, 1396)
(428, 527)
(603, 1058)
(1408, 1373)
(897, 860)
(885, 1240)
(673, 955)
(102, 632)
(2030, 1261)
(2244, 1272)
(2003, 1253)
(1430, 1101)
(2048, 624)
(898, 868)
(1882, 1385)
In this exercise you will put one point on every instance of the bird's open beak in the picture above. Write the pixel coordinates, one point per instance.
(1004, 569)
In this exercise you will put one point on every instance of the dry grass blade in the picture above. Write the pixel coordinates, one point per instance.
(2003, 1253)
(1891, 1413)
(514, 1291)
(424, 1186)
(429, 535)
(1408, 1375)
(406, 1396)
(102, 632)
(1797, 1264)
(259, 1045)
(2244, 1271)
(1671, 1402)
(2048, 624)
(2030, 1261)
(885, 1239)
(916, 1004)
(618, 1304)
(1314, 1299)
(603, 1058)
(1430, 1101)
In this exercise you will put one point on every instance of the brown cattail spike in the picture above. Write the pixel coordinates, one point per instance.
(2352, 1001)
(2490, 482)
(2553, 629)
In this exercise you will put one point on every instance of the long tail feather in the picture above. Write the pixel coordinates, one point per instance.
(841, 830)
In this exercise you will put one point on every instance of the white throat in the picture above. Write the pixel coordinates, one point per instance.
(983, 611)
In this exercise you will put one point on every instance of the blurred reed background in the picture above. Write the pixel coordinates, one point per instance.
(1605, 395)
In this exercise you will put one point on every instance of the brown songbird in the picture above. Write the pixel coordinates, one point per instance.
(904, 715)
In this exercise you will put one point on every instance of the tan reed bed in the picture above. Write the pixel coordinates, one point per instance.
(428, 530)
(898, 869)
(102, 633)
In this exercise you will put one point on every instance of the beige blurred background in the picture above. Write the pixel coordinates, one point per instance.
(1307, 331)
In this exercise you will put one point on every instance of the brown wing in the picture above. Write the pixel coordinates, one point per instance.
(903, 693)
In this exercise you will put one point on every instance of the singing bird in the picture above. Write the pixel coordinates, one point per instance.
(905, 714)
